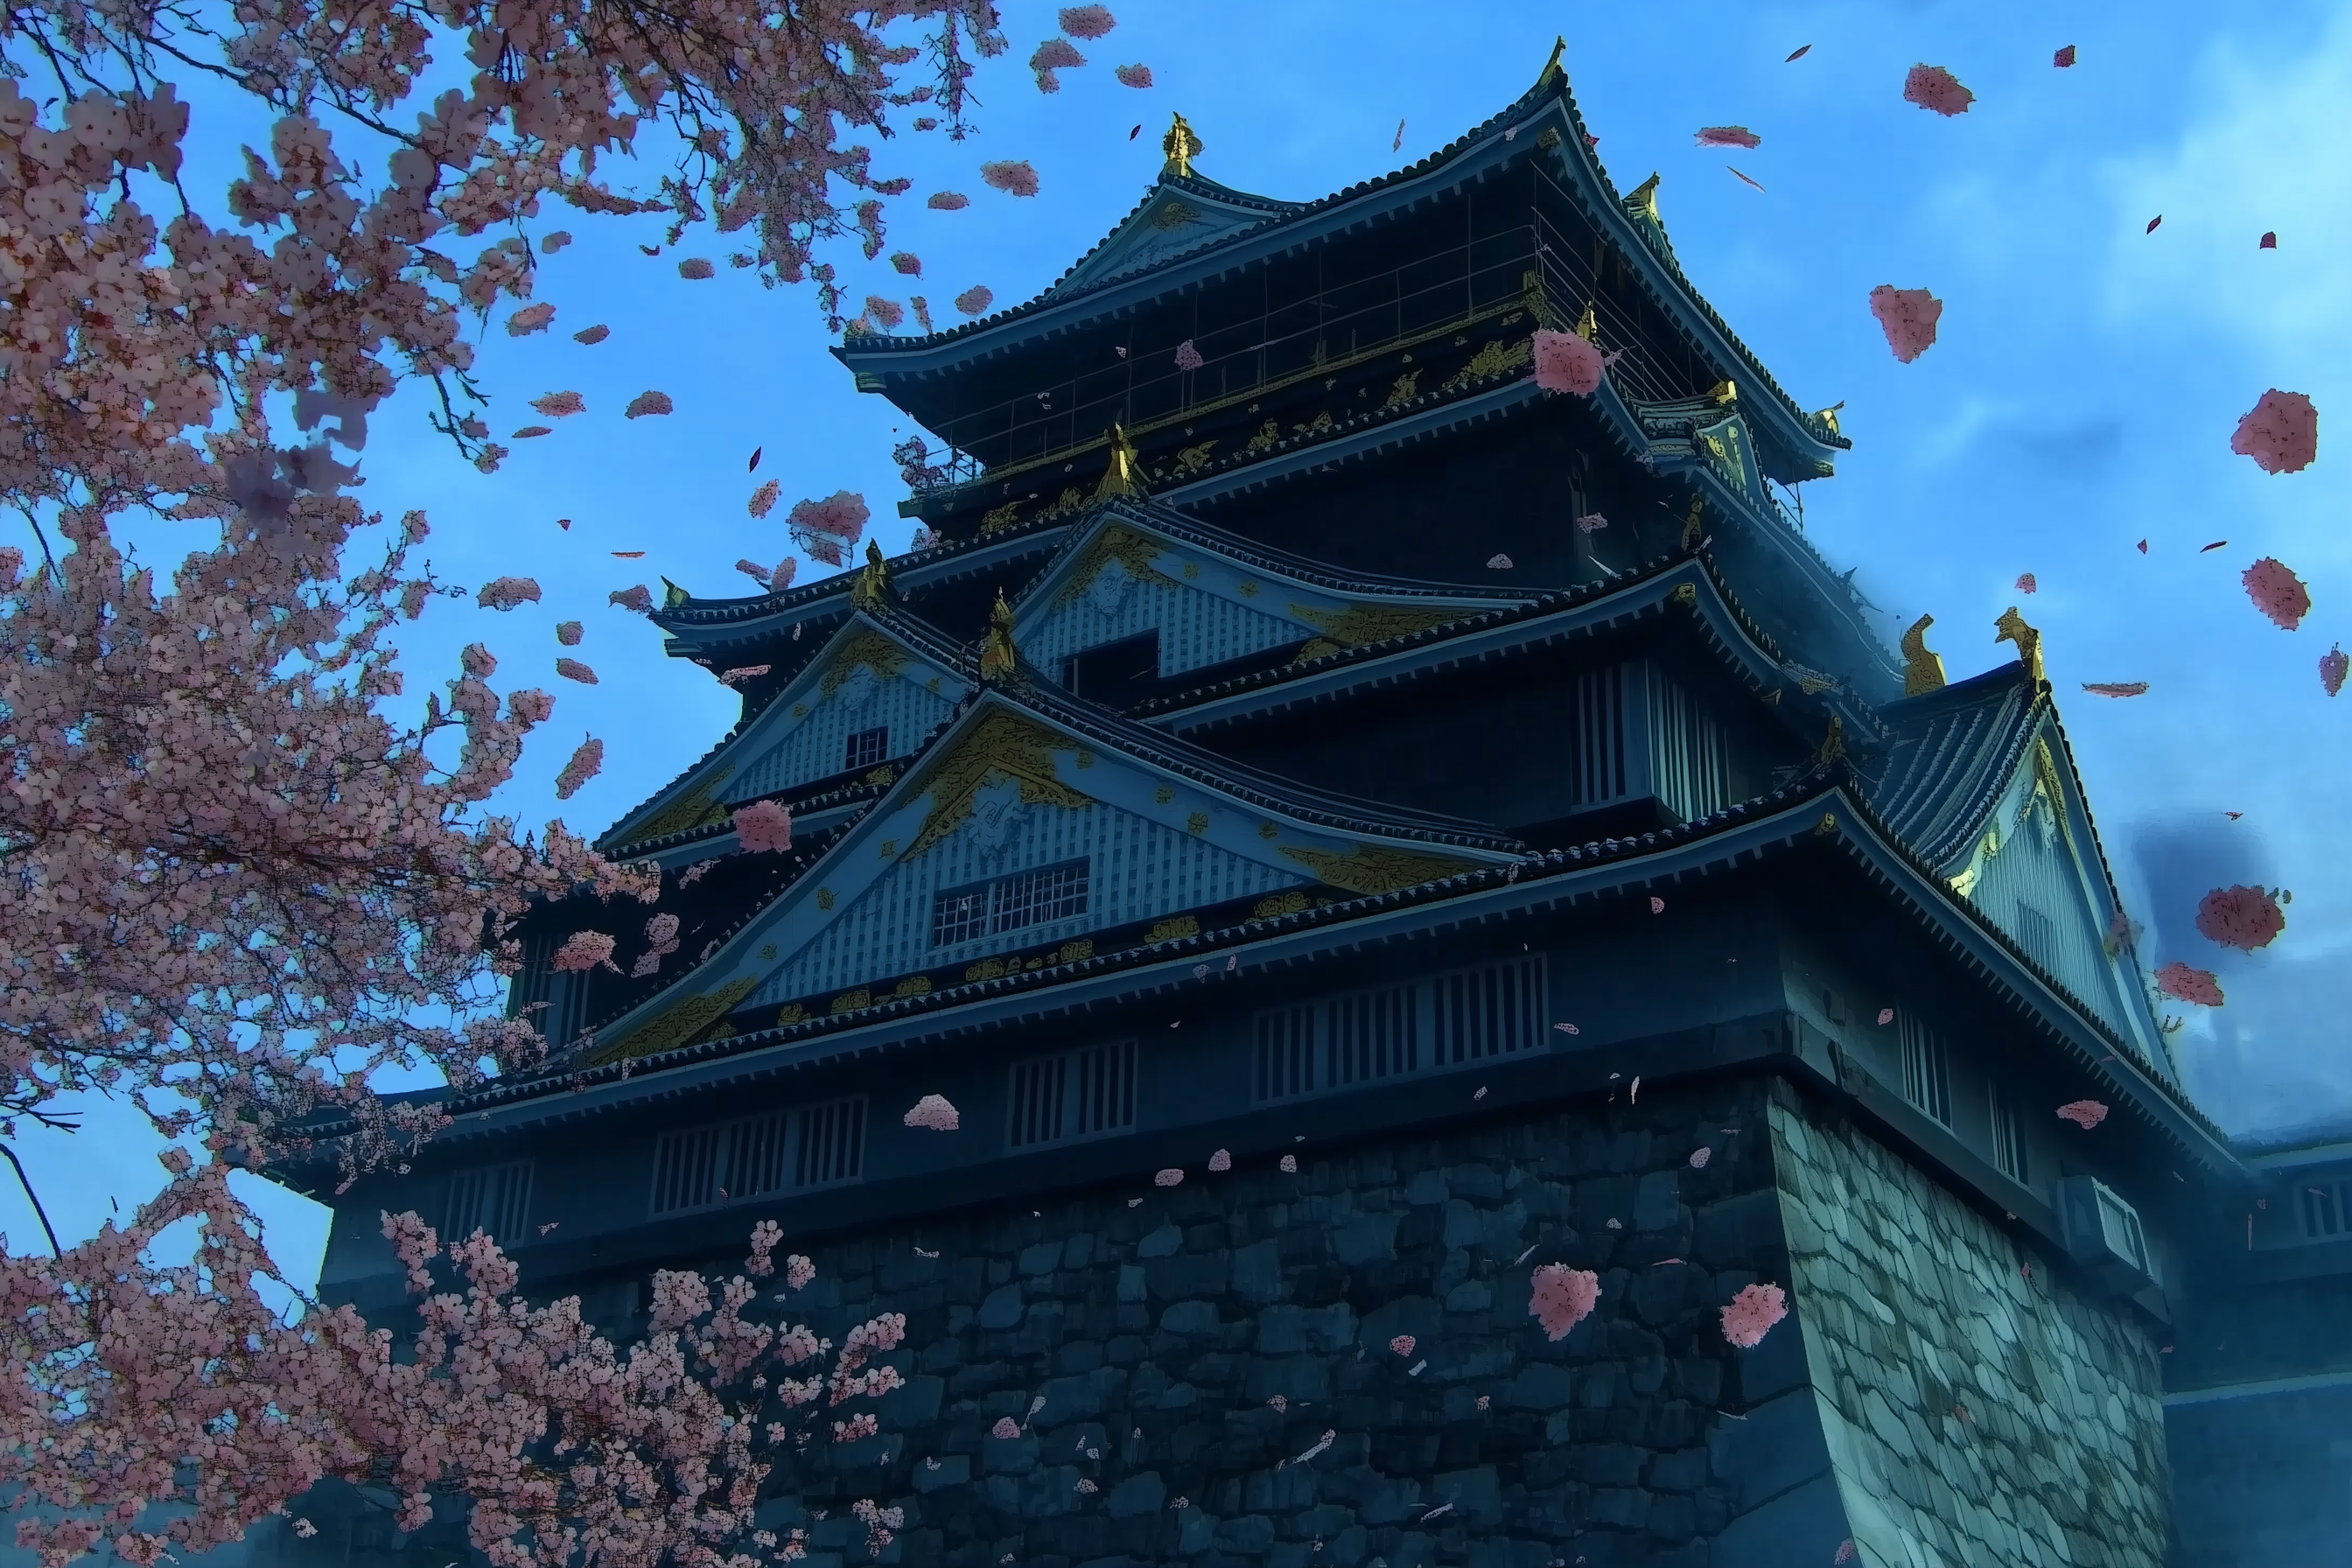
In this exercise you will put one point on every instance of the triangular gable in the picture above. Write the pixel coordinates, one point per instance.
(2032, 867)
(975, 859)
(1124, 575)
(1174, 220)
(868, 677)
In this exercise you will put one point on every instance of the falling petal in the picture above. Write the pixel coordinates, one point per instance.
(2083, 1114)
(1399, 144)
(1168, 1178)
(529, 319)
(1134, 133)
(2063, 58)
(934, 1112)
(2116, 688)
(1136, 75)
(1729, 136)
(1750, 1315)
(1737, 174)
(2277, 593)
(559, 404)
(1908, 317)
(2026, 584)
(1885, 1017)
(2199, 986)
(2152, 223)
(2201, 550)
(1802, 49)
(696, 268)
(2280, 433)
(2332, 665)
(646, 403)
(2269, 241)
(1014, 176)
(528, 431)
(553, 243)
(1290, 1164)
(2143, 547)
(591, 336)
(2240, 917)
(586, 764)
(1566, 363)
(629, 554)
(569, 633)
(1933, 88)
(1657, 906)
(1563, 1297)
(752, 467)
(1498, 563)
(974, 299)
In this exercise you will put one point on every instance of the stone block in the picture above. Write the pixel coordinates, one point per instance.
(1470, 1296)
(1476, 1495)
(1247, 1536)
(1427, 1188)
(1135, 1496)
(946, 1471)
(1132, 1284)
(1009, 1456)
(1684, 1471)
(1658, 1202)
(1625, 1508)
(1539, 1387)
(1165, 1242)
(1002, 1309)
(1042, 1259)
(1464, 1227)
(1193, 1320)
(1366, 1238)
(1258, 1272)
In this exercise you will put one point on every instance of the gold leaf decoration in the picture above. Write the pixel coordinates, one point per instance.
(1077, 951)
(768, 952)
(1175, 215)
(692, 811)
(800, 710)
(1247, 590)
(679, 1024)
(882, 775)
(1376, 868)
(1357, 625)
(889, 849)
(1267, 434)
(851, 1001)
(1267, 830)
(1279, 904)
(824, 898)
(1502, 354)
(1407, 388)
(1315, 427)
(1193, 457)
(790, 1014)
(1685, 595)
(1170, 929)
(1114, 542)
(1002, 743)
(1197, 824)
(1163, 795)
(997, 518)
(986, 968)
(914, 985)
(869, 648)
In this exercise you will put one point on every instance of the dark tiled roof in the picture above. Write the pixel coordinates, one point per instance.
(831, 593)
(1574, 146)
(1949, 754)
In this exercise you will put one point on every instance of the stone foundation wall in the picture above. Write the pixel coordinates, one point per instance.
(1973, 1413)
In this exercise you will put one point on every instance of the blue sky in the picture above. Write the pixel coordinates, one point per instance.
(2081, 397)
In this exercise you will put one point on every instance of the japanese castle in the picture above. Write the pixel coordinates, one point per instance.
(1346, 826)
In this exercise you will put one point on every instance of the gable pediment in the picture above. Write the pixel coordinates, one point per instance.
(1122, 577)
(870, 695)
(1017, 839)
(1174, 220)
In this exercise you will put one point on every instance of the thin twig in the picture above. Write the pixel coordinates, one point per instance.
(26, 1182)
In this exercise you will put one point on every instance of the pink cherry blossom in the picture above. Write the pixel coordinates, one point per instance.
(1188, 357)
(948, 201)
(573, 669)
(2064, 56)
(763, 826)
(934, 1112)
(586, 764)
(638, 598)
(885, 313)
(1498, 563)
(1933, 87)
(840, 516)
(2333, 666)
(584, 949)
(763, 502)
(975, 299)
(646, 403)
(1750, 1314)
(592, 336)
(743, 672)
(1885, 1017)
(506, 593)
(2277, 593)
(1909, 318)
(1592, 521)
(1054, 55)
(1168, 1178)
(2240, 917)
(568, 633)
(754, 570)
(1401, 1345)
(2116, 688)
(1221, 1160)
(1013, 176)
(560, 404)
(1699, 1157)
(1729, 136)
(1563, 1296)
(1133, 76)
(1005, 1430)
(1566, 363)
(1290, 1164)
(2201, 986)
(2025, 583)
(1086, 21)
(696, 268)
(2280, 433)
(529, 319)
(2083, 1114)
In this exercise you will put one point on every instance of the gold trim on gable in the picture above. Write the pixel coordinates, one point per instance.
(679, 1024)
(1114, 542)
(1358, 625)
(1377, 868)
(695, 810)
(867, 647)
(1001, 743)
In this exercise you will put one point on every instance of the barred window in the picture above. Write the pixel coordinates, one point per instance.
(867, 747)
(1456, 1020)
(1010, 903)
(781, 1151)
(1071, 1095)
(495, 1200)
(1924, 1068)
(2009, 1137)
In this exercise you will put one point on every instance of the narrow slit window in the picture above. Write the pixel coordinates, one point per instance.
(867, 748)
(2009, 1138)
(1073, 1095)
(1925, 1076)
(495, 1200)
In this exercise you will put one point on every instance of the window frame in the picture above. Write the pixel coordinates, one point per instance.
(994, 914)
(766, 1155)
(1926, 1065)
(482, 1191)
(1093, 1091)
(879, 734)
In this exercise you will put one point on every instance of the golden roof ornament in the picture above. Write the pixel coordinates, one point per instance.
(1833, 743)
(1922, 671)
(1553, 71)
(2012, 627)
(673, 595)
(1691, 537)
(1588, 325)
(1124, 476)
(1644, 202)
(1182, 147)
(869, 589)
(1828, 417)
(996, 656)
(1724, 392)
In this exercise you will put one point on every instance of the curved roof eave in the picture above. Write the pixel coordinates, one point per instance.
(1469, 157)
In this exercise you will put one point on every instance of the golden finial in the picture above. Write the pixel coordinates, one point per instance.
(1552, 71)
(673, 595)
(1588, 325)
(1828, 417)
(869, 589)
(1644, 202)
(1125, 475)
(1691, 535)
(1724, 392)
(1833, 743)
(996, 657)
(2012, 627)
(1922, 671)
(1182, 147)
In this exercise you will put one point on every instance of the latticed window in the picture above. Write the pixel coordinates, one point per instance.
(867, 747)
(1925, 1076)
(495, 1200)
(1010, 903)
(1071, 1095)
(1393, 1032)
(781, 1151)
(2009, 1137)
